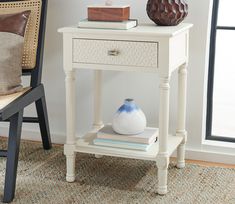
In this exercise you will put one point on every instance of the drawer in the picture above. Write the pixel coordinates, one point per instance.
(122, 53)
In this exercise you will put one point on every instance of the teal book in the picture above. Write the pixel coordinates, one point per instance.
(121, 144)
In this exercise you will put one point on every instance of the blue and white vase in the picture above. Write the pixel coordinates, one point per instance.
(129, 119)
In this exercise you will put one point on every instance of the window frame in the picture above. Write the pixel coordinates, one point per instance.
(210, 87)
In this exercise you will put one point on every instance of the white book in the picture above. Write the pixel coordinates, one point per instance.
(147, 137)
(120, 144)
(124, 25)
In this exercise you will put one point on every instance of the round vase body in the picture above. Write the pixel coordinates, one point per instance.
(167, 12)
(129, 119)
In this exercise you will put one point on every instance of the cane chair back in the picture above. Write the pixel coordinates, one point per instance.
(32, 29)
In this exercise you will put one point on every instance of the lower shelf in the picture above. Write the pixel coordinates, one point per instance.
(85, 145)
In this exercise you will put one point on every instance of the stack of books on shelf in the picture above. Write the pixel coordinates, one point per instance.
(108, 17)
(107, 137)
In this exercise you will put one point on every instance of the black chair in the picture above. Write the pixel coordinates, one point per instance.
(12, 106)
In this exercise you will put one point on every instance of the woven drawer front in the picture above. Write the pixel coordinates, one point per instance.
(122, 53)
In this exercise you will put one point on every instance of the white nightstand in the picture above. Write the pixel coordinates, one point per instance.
(146, 48)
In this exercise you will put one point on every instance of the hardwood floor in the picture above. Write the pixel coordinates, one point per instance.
(205, 163)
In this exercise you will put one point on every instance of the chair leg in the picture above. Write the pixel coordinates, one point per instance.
(43, 123)
(12, 156)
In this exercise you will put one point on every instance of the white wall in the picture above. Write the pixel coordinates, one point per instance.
(117, 86)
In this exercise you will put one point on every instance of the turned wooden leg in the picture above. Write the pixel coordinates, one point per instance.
(182, 89)
(163, 157)
(181, 156)
(69, 147)
(162, 178)
(98, 123)
(70, 164)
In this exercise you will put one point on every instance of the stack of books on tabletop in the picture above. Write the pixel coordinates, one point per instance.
(108, 17)
(107, 137)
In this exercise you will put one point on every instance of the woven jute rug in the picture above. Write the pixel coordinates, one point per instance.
(109, 180)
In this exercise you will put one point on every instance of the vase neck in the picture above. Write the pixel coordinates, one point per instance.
(128, 106)
(129, 102)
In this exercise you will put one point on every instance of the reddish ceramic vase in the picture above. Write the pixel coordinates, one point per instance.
(167, 12)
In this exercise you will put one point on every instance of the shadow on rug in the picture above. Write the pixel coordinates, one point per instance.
(109, 180)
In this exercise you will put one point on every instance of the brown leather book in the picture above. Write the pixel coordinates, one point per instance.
(108, 13)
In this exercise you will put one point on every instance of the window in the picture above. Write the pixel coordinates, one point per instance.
(221, 78)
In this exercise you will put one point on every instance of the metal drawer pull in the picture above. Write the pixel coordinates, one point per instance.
(113, 52)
